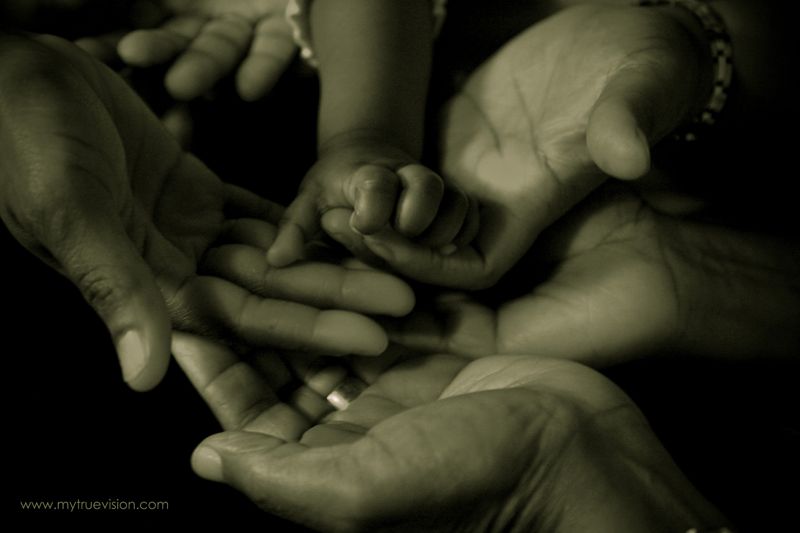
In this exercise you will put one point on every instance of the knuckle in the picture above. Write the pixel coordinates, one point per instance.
(48, 215)
(103, 290)
(370, 173)
(377, 187)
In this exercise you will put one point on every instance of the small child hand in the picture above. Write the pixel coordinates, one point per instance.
(208, 39)
(571, 101)
(381, 186)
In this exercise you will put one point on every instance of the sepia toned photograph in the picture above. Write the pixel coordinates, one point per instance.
(401, 265)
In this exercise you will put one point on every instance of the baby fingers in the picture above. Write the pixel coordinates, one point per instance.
(145, 48)
(214, 53)
(373, 191)
(420, 200)
(455, 222)
(270, 53)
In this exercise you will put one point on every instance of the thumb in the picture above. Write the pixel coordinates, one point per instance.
(225, 457)
(265, 469)
(299, 224)
(96, 254)
(621, 125)
(287, 478)
(638, 106)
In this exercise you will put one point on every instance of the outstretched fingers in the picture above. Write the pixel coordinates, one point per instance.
(321, 285)
(146, 48)
(212, 54)
(271, 52)
(218, 307)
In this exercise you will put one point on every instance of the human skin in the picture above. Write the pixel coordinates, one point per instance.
(442, 443)
(577, 97)
(205, 41)
(374, 60)
(92, 183)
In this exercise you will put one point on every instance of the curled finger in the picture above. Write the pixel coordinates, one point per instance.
(419, 202)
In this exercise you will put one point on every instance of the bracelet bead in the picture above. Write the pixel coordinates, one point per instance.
(721, 49)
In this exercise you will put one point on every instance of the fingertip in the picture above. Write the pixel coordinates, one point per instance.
(384, 293)
(143, 360)
(187, 81)
(350, 332)
(381, 248)
(134, 49)
(403, 299)
(252, 83)
(617, 143)
(278, 257)
(371, 190)
(420, 200)
(251, 92)
(357, 226)
(207, 463)
(249, 88)
(288, 246)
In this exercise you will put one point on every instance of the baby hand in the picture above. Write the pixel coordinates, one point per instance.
(379, 185)
(208, 39)
(572, 100)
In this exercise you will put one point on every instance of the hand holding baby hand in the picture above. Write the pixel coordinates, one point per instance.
(381, 189)
(578, 97)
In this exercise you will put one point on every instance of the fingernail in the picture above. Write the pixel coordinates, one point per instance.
(132, 352)
(348, 332)
(380, 249)
(207, 463)
(352, 223)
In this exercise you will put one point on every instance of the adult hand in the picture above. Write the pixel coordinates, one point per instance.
(441, 443)
(579, 95)
(95, 186)
(208, 39)
(381, 186)
(622, 280)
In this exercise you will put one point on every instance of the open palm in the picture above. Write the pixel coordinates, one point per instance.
(576, 97)
(207, 40)
(437, 443)
(608, 294)
(94, 185)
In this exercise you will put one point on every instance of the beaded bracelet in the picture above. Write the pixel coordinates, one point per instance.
(722, 57)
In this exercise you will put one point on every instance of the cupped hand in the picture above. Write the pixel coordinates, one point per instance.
(578, 96)
(207, 40)
(93, 184)
(444, 444)
(624, 275)
(606, 291)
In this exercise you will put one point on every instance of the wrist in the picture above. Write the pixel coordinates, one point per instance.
(624, 481)
(705, 32)
(363, 138)
(695, 36)
(738, 290)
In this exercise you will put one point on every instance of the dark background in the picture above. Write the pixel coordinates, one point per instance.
(77, 432)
